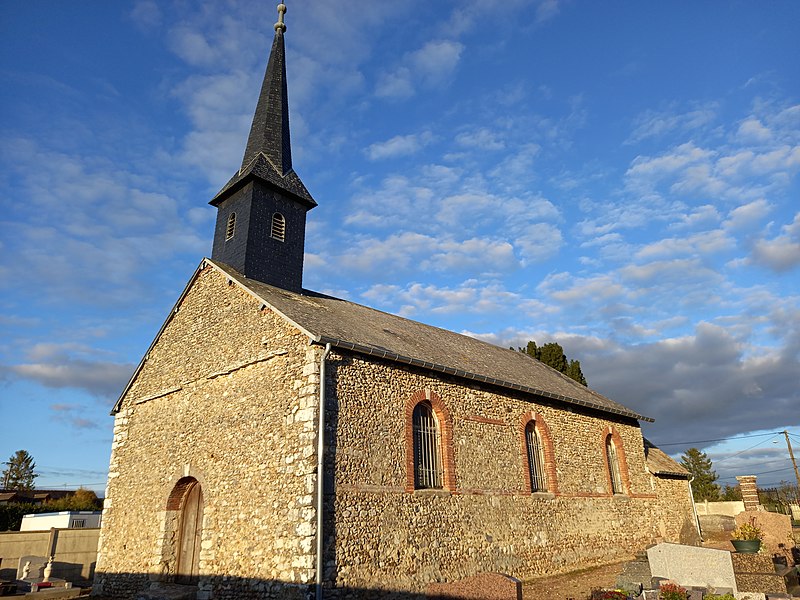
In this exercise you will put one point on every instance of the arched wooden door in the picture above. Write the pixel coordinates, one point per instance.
(189, 535)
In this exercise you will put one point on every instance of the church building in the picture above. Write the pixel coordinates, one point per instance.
(275, 442)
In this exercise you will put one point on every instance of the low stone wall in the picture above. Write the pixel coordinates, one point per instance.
(729, 509)
(75, 552)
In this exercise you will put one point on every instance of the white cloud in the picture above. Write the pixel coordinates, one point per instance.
(471, 296)
(781, 253)
(481, 139)
(701, 244)
(146, 14)
(399, 145)
(653, 123)
(71, 365)
(747, 215)
(431, 66)
(753, 131)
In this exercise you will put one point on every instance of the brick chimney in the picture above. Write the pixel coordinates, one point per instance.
(747, 484)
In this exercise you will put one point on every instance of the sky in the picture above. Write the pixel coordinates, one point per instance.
(619, 177)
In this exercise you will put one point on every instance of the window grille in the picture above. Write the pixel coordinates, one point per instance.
(78, 524)
(230, 230)
(278, 231)
(427, 448)
(613, 466)
(535, 458)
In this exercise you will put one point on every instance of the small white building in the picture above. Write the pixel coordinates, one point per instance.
(66, 519)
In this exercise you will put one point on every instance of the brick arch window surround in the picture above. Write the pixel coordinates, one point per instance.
(615, 462)
(429, 443)
(538, 455)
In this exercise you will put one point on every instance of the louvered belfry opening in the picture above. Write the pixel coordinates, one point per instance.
(613, 466)
(428, 473)
(536, 468)
(278, 230)
(230, 228)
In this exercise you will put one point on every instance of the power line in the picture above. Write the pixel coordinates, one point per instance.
(741, 437)
(761, 473)
(748, 449)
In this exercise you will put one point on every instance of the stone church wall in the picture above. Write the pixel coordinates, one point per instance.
(228, 397)
(389, 536)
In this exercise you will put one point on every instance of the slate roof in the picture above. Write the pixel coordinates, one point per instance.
(658, 463)
(261, 168)
(349, 326)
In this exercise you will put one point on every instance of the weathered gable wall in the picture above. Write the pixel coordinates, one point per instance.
(387, 537)
(227, 396)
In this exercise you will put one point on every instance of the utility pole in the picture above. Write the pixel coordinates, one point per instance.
(794, 462)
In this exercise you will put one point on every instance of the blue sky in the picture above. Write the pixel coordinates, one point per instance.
(619, 177)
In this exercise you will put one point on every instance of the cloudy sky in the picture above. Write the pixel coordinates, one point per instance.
(619, 177)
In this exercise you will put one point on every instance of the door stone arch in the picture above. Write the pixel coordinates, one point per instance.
(183, 532)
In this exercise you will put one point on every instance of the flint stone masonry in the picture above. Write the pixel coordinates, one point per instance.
(692, 566)
(228, 397)
(248, 437)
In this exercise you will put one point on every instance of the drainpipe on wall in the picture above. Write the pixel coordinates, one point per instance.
(694, 510)
(320, 466)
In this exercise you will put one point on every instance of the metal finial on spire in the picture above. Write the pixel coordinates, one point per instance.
(280, 25)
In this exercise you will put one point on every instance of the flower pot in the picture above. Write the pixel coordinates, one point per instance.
(746, 546)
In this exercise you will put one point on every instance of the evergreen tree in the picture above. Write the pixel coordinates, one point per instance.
(731, 492)
(574, 372)
(552, 354)
(700, 466)
(20, 471)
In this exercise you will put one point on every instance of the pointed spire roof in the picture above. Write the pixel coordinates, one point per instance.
(268, 154)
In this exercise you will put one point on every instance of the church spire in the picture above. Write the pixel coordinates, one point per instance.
(269, 132)
(261, 211)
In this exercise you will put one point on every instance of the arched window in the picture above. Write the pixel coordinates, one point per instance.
(614, 472)
(427, 448)
(230, 229)
(536, 464)
(278, 230)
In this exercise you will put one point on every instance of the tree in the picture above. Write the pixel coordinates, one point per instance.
(552, 354)
(703, 475)
(82, 499)
(20, 471)
(731, 492)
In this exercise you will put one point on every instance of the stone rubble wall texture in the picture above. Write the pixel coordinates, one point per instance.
(385, 537)
(228, 396)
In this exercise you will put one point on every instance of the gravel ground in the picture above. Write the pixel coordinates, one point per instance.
(577, 585)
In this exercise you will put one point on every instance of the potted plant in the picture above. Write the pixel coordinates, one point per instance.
(747, 537)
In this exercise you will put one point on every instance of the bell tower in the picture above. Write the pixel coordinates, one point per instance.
(261, 211)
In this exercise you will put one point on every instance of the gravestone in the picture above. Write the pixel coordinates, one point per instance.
(692, 566)
(35, 567)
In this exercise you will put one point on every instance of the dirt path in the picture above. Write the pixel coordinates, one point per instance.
(577, 585)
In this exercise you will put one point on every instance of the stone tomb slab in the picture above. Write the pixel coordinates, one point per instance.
(692, 566)
(36, 565)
